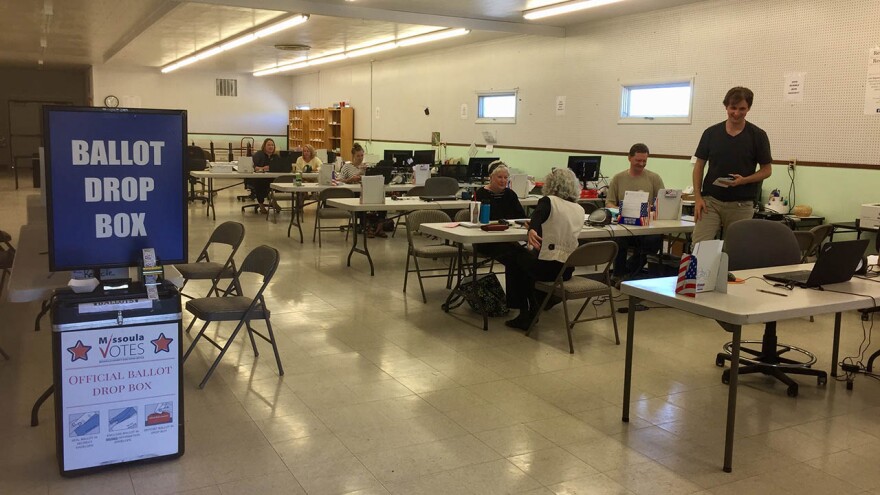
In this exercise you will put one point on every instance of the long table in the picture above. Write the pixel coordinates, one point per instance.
(301, 192)
(239, 177)
(461, 236)
(354, 206)
(744, 305)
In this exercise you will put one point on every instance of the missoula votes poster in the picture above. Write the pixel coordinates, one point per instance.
(115, 185)
(120, 399)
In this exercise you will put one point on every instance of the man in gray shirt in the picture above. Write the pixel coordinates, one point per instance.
(635, 178)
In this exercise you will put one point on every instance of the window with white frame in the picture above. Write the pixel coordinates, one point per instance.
(496, 107)
(657, 103)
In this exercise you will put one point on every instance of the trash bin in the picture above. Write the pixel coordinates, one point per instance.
(117, 378)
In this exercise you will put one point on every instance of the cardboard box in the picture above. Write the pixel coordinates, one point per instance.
(870, 216)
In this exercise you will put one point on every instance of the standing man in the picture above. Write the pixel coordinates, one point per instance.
(635, 178)
(733, 149)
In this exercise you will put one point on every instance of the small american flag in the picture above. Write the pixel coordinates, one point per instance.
(687, 276)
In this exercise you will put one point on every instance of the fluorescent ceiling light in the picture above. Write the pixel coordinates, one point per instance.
(433, 36)
(564, 8)
(327, 59)
(371, 49)
(236, 41)
(380, 45)
(281, 26)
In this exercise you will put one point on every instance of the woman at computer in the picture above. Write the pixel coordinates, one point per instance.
(553, 234)
(351, 171)
(308, 159)
(260, 187)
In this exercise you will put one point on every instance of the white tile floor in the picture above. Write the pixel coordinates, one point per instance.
(384, 394)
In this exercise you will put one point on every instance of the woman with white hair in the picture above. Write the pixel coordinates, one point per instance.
(553, 234)
(503, 202)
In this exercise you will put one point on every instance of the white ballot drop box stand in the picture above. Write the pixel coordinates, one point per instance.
(117, 378)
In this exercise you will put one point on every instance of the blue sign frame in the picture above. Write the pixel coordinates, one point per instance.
(115, 184)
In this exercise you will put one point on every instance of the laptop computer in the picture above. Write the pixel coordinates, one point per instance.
(837, 262)
(281, 164)
(446, 197)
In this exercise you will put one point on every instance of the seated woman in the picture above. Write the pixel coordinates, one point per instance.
(352, 171)
(351, 174)
(553, 234)
(308, 162)
(260, 187)
(503, 203)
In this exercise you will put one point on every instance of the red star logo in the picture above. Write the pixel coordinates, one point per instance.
(162, 343)
(79, 351)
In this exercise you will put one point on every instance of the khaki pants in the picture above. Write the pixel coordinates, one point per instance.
(720, 214)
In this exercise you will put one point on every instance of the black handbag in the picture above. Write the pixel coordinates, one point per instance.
(485, 295)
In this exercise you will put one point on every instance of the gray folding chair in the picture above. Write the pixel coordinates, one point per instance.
(599, 254)
(760, 244)
(263, 261)
(325, 212)
(276, 196)
(229, 233)
(811, 240)
(421, 247)
(415, 191)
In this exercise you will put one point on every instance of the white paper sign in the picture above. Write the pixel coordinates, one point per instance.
(372, 190)
(463, 111)
(421, 173)
(472, 150)
(120, 394)
(794, 86)
(560, 106)
(632, 204)
(708, 255)
(872, 84)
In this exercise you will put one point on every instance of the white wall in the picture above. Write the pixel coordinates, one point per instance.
(259, 109)
(721, 43)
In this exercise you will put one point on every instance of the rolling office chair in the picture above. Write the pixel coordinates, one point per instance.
(195, 161)
(758, 243)
(441, 186)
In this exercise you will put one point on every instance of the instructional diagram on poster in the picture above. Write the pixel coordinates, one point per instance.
(120, 397)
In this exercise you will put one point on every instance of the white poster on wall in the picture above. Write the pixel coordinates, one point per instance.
(794, 86)
(560, 106)
(120, 394)
(872, 83)
(463, 111)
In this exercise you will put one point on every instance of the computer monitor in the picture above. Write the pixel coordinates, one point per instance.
(423, 157)
(383, 170)
(294, 155)
(457, 172)
(398, 157)
(331, 157)
(478, 168)
(586, 168)
(281, 164)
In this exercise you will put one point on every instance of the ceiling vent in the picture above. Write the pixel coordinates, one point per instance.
(226, 87)
(293, 47)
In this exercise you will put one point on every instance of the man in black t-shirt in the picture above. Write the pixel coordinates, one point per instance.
(733, 149)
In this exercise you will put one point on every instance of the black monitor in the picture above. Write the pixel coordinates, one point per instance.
(331, 156)
(586, 168)
(478, 168)
(384, 170)
(281, 164)
(398, 157)
(457, 172)
(423, 157)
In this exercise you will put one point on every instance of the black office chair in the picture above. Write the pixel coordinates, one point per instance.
(7, 256)
(441, 186)
(758, 243)
(195, 161)
(262, 261)
(867, 315)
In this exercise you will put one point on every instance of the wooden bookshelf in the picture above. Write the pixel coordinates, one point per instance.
(324, 128)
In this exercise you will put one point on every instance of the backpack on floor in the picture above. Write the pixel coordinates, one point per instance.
(485, 295)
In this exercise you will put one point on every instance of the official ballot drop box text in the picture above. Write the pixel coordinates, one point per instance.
(118, 380)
